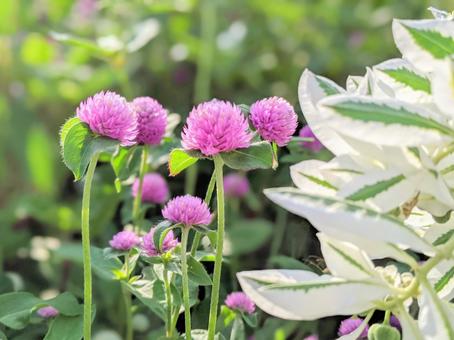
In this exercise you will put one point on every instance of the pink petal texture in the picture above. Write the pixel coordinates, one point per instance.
(315, 145)
(275, 119)
(124, 240)
(214, 127)
(47, 312)
(240, 301)
(188, 210)
(236, 185)
(110, 115)
(151, 120)
(168, 244)
(154, 189)
(349, 325)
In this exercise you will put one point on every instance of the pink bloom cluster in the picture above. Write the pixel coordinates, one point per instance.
(240, 301)
(349, 325)
(214, 127)
(275, 119)
(48, 312)
(170, 242)
(124, 240)
(187, 210)
(154, 189)
(236, 185)
(109, 114)
(315, 145)
(151, 119)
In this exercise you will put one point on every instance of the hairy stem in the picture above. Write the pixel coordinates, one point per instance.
(169, 328)
(138, 198)
(86, 246)
(184, 269)
(218, 168)
(208, 195)
(128, 303)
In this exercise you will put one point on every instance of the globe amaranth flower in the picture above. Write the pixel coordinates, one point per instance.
(275, 119)
(169, 242)
(151, 120)
(349, 325)
(47, 312)
(236, 185)
(315, 145)
(393, 321)
(240, 301)
(109, 114)
(187, 210)
(154, 188)
(311, 337)
(124, 240)
(214, 127)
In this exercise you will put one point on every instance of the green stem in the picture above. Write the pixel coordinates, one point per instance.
(184, 269)
(128, 303)
(387, 317)
(208, 195)
(218, 168)
(86, 245)
(138, 198)
(281, 223)
(169, 330)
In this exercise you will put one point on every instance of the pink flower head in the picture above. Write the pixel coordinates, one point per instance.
(236, 185)
(275, 119)
(311, 337)
(393, 321)
(109, 114)
(169, 243)
(151, 120)
(350, 325)
(154, 188)
(47, 312)
(188, 210)
(315, 145)
(240, 301)
(214, 127)
(124, 240)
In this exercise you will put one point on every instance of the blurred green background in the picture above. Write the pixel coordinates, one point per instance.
(55, 53)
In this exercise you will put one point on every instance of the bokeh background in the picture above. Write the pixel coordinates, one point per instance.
(55, 53)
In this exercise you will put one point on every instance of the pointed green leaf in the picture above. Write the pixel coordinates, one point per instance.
(179, 160)
(197, 272)
(257, 156)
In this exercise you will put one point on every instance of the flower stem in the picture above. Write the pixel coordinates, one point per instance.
(169, 330)
(86, 245)
(218, 168)
(209, 193)
(138, 198)
(184, 269)
(128, 303)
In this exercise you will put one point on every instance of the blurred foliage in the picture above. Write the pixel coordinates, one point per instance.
(55, 53)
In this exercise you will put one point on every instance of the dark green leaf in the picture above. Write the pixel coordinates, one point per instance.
(65, 328)
(257, 156)
(246, 236)
(15, 309)
(197, 272)
(287, 262)
(160, 233)
(238, 332)
(250, 319)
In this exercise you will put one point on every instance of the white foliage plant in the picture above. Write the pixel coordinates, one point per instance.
(386, 196)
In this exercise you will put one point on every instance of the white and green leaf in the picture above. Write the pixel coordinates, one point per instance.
(303, 295)
(443, 86)
(307, 176)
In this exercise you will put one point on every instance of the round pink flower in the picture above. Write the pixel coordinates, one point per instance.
(151, 120)
(154, 188)
(236, 185)
(214, 127)
(315, 145)
(311, 337)
(349, 325)
(169, 243)
(188, 210)
(47, 312)
(275, 119)
(124, 240)
(109, 114)
(241, 302)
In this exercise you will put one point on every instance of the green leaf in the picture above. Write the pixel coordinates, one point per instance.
(197, 272)
(179, 160)
(442, 239)
(66, 303)
(409, 78)
(438, 45)
(65, 328)
(250, 319)
(257, 156)
(246, 236)
(326, 86)
(443, 281)
(238, 332)
(287, 262)
(121, 160)
(16, 308)
(79, 145)
(160, 233)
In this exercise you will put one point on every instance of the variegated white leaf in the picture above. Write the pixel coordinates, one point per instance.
(307, 176)
(330, 215)
(442, 279)
(345, 260)
(443, 86)
(384, 122)
(410, 329)
(424, 42)
(303, 295)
